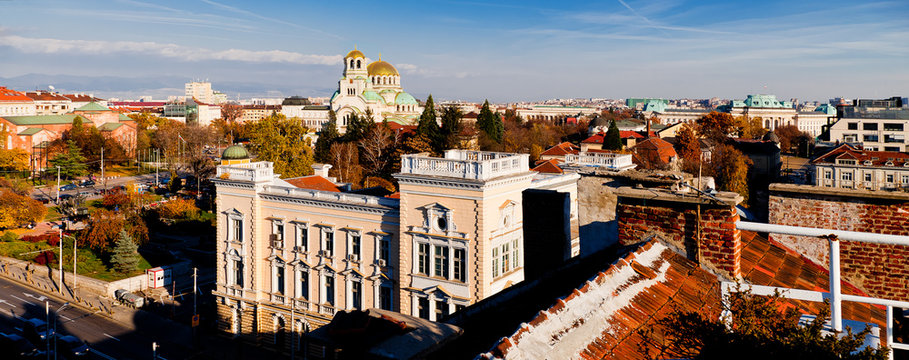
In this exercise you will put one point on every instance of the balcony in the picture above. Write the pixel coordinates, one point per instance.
(261, 171)
(465, 164)
(607, 160)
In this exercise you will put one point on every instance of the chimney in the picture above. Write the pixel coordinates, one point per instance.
(321, 169)
(713, 242)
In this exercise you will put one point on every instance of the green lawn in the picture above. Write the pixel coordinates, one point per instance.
(89, 264)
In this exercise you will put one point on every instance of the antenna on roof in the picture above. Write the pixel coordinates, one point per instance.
(51, 87)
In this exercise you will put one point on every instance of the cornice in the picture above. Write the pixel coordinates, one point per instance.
(379, 210)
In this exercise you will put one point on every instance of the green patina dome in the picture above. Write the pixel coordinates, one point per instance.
(405, 99)
(372, 96)
(235, 152)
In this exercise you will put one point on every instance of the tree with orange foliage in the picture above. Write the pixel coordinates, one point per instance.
(716, 126)
(687, 144)
(178, 209)
(729, 168)
(102, 229)
(345, 161)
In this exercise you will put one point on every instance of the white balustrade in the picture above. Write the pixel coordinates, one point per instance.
(478, 165)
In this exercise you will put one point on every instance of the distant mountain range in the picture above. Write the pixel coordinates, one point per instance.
(159, 87)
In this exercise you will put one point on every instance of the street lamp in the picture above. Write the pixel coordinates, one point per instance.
(57, 315)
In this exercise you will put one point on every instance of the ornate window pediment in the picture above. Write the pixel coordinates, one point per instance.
(438, 219)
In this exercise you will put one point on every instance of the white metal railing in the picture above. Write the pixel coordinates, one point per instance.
(256, 172)
(479, 165)
(610, 160)
(835, 296)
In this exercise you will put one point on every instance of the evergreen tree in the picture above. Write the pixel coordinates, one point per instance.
(490, 123)
(125, 258)
(327, 136)
(451, 127)
(71, 161)
(428, 127)
(613, 140)
(359, 126)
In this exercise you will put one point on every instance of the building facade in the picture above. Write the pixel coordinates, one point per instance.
(885, 130)
(294, 252)
(851, 168)
(14, 103)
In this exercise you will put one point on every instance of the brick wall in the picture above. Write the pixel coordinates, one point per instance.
(880, 270)
(641, 214)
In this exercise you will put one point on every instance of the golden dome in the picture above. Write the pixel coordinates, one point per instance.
(355, 54)
(381, 68)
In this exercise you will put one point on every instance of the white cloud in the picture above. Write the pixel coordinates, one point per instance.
(179, 52)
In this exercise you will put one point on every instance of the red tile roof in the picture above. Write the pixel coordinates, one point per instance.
(403, 129)
(46, 96)
(649, 284)
(877, 158)
(10, 95)
(625, 134)
(562, 149)
(594, 139)
(549, 167)
(82, 98)
(137, 103)
(314, 182)
(655, 151)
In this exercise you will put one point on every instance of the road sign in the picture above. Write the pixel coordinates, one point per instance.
(195, 320)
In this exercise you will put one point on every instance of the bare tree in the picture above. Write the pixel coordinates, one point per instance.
(345, 162)
(376, 147)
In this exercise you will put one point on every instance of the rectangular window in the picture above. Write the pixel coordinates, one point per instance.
(515, 254)
(385, 297)
(356, 294)
(828, 174)
(355, 243)
(847, 176)
(867, 177)
(869, 126)
(459, 265)
(495, 262)
(441, 261)
(423, 305)
(892, 148)
(303, 286)
(890, 178)
(852, 126)
(385, 249)
(870, 138)
(238, 273)
(330, 290)
(893, 127)
(423, 259)
(888, 138)
(278, 229)
(846, 162)
(329, 242)
(441, 309)
(237, 229)
(278, 286)
(850, 137)
(505, 255)
(302, 240)
(905, 179)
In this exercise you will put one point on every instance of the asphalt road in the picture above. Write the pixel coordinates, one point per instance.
(106, 338)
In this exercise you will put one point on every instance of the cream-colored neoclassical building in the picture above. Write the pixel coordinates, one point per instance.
(292, 252)
(372, 85)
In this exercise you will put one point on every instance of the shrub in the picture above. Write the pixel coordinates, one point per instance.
(46, 257)
(8, 236)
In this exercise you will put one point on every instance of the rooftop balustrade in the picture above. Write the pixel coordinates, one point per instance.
(466, 164)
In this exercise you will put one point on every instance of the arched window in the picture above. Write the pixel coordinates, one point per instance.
(358, 64)
(280, 330)
(351, 63)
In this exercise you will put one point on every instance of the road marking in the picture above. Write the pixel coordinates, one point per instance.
(108, 357)
(42, 298)
(108, 335)
(67, 319)
(23, 300)
(18, 329)
(7, 303)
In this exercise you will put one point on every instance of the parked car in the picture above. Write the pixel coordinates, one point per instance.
(88, 183)
(65, 196)
(71, 347)
(129, 298)
(86, 193)
(17, 346)
(36, 330)
(68, 187)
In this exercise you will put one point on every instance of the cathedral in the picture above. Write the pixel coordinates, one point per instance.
(375, 86)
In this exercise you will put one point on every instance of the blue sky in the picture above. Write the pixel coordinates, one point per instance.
(504, 50)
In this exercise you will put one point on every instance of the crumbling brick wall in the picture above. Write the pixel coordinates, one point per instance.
(880, 270)
(720, 245)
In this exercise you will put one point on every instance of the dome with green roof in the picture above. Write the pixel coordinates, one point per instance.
(235, 152)
(404, 98)
(370, 95)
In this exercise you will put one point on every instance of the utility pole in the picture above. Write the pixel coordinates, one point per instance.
(195, 275)
(157, 162)
(60, 281)
(58, 185)
(47, 326)
(155, 350)
(102, 170)
(74, 267)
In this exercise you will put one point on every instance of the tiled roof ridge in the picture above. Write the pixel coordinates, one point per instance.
(505, 343)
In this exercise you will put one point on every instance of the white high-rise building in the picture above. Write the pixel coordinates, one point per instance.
(201, 91)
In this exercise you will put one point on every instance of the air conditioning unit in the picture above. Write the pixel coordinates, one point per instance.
(380, 262)
(299, 249)
(276, 241)
(353, 257)
(324, 253)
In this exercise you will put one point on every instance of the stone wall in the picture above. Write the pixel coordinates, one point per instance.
(880, 270)
(644, 213)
